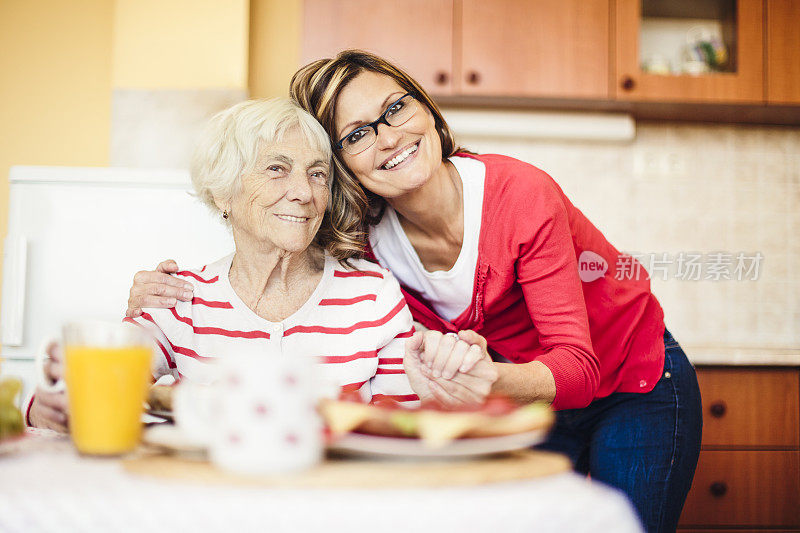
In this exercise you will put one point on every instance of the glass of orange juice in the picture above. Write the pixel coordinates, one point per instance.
(107, 372)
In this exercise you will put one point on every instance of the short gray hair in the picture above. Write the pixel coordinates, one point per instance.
(230, 142)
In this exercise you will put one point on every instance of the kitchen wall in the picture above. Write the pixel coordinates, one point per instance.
(199, 57)
(55, 87)
(82, 76)
(695, 189)
(275, 29)
(174, 64)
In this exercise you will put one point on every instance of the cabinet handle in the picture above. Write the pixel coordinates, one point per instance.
(474, 78)
(442, 78)
(628, 83)
(718, 489)
(718, 409)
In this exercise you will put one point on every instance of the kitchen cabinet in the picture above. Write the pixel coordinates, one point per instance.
(524, 48)
(650, 58)
(417, 34)
(748, 474)
(783, 52)
(740, 23)
(541, 48)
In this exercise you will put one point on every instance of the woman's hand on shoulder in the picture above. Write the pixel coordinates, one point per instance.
(157, 289)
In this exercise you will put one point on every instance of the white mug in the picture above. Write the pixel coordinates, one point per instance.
(259, 417)
(195, 407)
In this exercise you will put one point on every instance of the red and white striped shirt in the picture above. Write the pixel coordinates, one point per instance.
(355, 325)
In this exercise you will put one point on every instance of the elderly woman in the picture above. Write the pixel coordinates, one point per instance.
(292, 286)
(489, 244)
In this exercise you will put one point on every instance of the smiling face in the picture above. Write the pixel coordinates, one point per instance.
(280, 203)
(403, 157)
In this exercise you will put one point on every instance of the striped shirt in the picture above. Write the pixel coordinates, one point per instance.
(354, 324)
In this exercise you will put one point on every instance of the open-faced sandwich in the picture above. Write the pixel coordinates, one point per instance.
(499, 416)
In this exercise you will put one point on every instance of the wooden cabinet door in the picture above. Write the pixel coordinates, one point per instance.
(534, 48)
(750, 407)
(783, 52)
(415, 34)
(746, 85)
(745, 488)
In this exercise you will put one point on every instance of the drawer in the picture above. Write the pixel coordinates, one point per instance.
(745, 488)
(756, 407)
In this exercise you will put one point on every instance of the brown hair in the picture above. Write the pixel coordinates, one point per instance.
(316, 88)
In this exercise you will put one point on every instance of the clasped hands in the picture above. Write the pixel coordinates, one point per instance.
(449, 369)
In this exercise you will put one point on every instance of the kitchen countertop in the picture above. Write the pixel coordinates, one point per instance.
(742, 356)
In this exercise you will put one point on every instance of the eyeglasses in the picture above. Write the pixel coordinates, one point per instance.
(364, 136)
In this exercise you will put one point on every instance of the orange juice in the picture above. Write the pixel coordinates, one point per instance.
(106, 387)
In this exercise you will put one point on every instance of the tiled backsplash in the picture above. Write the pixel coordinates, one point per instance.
(698, 189)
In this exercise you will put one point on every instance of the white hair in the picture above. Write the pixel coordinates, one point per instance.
(230, 143)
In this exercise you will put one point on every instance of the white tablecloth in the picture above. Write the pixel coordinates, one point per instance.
(49, 487)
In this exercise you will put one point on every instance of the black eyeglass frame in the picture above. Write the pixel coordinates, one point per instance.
(374, 124)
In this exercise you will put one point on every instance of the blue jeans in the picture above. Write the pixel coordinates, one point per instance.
(646, 445)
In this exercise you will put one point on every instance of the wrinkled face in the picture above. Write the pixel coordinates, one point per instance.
(403, 157)
(281, 202)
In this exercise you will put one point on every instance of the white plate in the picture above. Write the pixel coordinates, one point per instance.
(162, 415)
(375, 446)
(170, 437)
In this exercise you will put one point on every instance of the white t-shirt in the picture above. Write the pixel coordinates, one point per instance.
(450, 291)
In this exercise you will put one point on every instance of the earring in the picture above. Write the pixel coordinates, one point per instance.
(225, 214)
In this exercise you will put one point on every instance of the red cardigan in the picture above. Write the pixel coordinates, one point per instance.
(596, 337)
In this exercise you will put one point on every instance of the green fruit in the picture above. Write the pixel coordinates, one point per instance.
(9, 388)
(10, 421)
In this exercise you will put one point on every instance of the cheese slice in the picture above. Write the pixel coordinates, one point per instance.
(438, 428)
(344, 417)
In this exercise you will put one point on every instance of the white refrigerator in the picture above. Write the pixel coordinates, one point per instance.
(76, 236)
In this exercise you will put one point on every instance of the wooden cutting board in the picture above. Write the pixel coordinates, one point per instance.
(341, 472)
